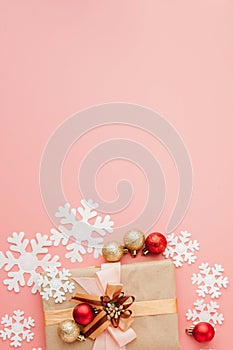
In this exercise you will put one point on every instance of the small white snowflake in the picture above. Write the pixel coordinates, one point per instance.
(210, 280)
(81, 231)
(181, 248)
(205, 313)
(36, 348)
(27, 261)
(17, 328)
(54, 284)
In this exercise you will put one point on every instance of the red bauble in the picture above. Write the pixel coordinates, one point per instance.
(155, 243)
(83, 314)
(203, 332)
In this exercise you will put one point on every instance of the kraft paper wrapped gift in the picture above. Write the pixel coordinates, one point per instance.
(146, 281)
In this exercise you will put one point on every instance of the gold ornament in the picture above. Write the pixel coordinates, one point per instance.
(112, 251)
(134, 240)
(68, 331)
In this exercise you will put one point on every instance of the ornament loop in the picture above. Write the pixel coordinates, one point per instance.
(189, 330)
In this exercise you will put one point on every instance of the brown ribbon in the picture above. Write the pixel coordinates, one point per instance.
(97, 326)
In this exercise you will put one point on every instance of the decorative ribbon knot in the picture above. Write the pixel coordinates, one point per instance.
(116, 308)
(111, 309)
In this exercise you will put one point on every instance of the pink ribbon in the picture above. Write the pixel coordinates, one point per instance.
(112, 338)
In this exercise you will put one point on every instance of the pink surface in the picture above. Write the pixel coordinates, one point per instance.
(175, 57)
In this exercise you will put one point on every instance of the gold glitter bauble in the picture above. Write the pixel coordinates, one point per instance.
(134, 239)
(113, 251)
(68, 331)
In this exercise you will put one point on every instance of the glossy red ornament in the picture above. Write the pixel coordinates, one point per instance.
(155, 243)
(83, 314)
(202, 332)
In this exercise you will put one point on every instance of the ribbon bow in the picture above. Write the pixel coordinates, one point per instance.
(114, 318)
(116, 308)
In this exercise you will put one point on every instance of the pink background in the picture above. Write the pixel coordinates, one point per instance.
(58, 57)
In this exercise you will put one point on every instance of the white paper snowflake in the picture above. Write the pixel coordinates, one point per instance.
(181, 248)
(210, 280)
(36, 348)
(17, 328)
(27, 261)
(205, 313)
(81, 231)
(55, 284)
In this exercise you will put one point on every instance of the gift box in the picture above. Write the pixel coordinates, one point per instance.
(154, 311)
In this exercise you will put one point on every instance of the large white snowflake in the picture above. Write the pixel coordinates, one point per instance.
(181, 248)
(86, 235)
(55, 283)
(205, 313)
(26, 261)
(210, 280)
(17, 328)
